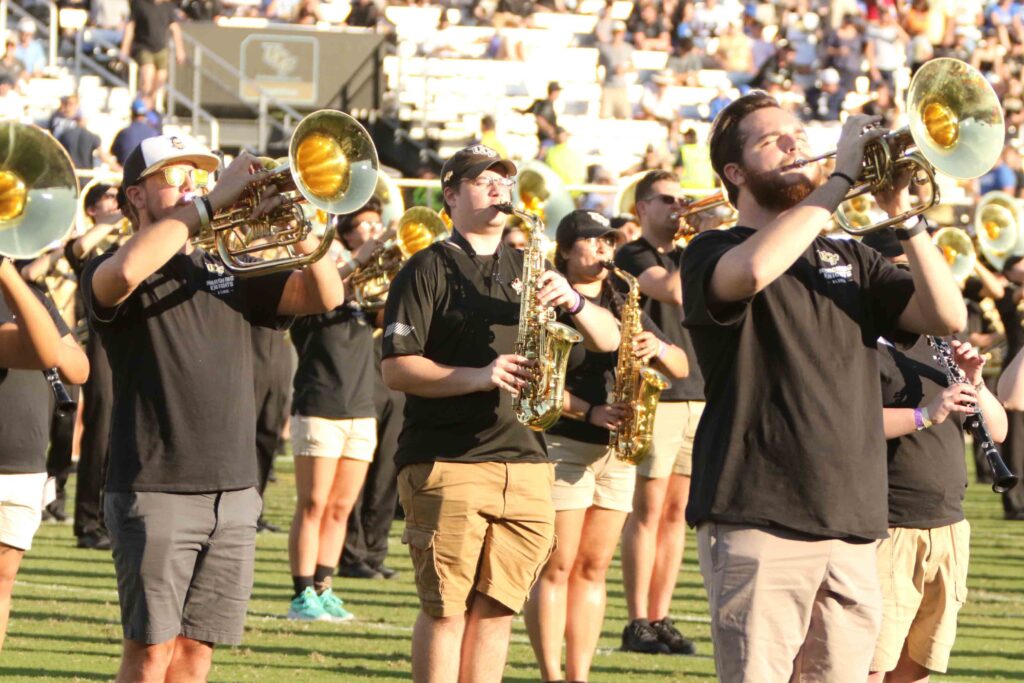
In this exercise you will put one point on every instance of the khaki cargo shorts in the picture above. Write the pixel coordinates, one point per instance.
(486, 527)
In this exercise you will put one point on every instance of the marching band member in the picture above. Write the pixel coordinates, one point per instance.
(922, 565)
(789, 492)
(33, 337)
(181, 500)
(593, 489)
(334, 437)
(655, 533)
(474, 482)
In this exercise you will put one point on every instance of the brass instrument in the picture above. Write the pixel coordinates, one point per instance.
(332, 164)
(636, 385)
(542, 193)
(997, 227)
(712, 211)
(538, 405)
(38, 191)
(392, 206)
(418, 228)
(956, 126)
(624, 202)
(958, 250)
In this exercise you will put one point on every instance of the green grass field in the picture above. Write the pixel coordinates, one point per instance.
(65, 627)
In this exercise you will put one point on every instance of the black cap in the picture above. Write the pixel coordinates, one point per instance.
(553, 86)
(885, 242)
(623, 218)
(94, 194)
(581, 224)
(470, 162)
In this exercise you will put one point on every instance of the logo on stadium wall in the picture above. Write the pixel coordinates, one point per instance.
(282, 66)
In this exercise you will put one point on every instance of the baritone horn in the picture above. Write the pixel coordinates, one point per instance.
(332, 164)
(997, 223)
(38, 191)
(418, 228)
(956, 127)
(542, 193)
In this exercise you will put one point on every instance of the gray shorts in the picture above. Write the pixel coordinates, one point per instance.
(184, 563)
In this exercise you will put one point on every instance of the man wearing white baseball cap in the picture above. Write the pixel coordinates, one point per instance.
(181, 499)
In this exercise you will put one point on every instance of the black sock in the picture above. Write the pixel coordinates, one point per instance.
(301, 583)
(322, 577)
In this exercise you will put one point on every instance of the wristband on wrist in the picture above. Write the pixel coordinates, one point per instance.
(204, 215)
(842, 176)
(906, 233)
(918, 419)
(980, 385)
(590, 411)
(661, 349)
(580, 303)
(209, 206)
(926, 421)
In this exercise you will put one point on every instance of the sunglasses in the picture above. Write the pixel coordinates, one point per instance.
(176, 175)
(666, 199)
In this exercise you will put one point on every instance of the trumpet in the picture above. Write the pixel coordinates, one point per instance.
(332, 164)
(418, 228)
(958, 250)
(956, 126)
(694, 217)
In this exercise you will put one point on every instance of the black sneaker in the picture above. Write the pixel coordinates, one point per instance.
(639, 636)
(677, 643)
(94, 541)
(386, 572)
(359, 571)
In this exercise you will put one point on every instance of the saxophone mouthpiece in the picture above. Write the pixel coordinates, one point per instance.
(504, 207)
(610, 265)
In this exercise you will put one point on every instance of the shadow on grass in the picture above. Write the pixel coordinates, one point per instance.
(26, 673)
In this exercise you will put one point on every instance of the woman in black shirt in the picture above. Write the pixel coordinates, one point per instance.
(593, 490)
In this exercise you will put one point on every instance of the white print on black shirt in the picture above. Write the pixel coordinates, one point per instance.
(221, 285)
(399, 329)
(833, 272)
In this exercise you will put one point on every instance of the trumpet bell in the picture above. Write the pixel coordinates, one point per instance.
(38, 190)
(958, 251)
(956, 119)
(625, 198)
(334, 161)
(997, 225)
(418, 228)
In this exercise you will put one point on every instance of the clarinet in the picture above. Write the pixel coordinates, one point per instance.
(63, 401)
(1002, 478)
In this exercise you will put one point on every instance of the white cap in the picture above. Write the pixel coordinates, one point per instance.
(26, 25)
(829, 76)
(154, 153)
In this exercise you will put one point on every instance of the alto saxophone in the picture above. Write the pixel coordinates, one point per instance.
(636, 385)
(538, 405)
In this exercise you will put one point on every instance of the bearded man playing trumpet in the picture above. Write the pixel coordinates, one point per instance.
(789, 472)
(182, 502)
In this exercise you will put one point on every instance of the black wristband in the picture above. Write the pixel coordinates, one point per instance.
(579, 304)
(904, 234)
(590, 411)
(208, 205)
(842, 176)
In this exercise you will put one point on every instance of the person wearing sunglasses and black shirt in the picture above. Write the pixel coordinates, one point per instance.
(33, 338)
(475, 484)
(181, 496)
(593, 489)
(789, 473)
(655, 534)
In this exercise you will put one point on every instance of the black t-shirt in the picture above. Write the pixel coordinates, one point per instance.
(334, 378)
(1009, 309)
(635, 258)
(181, 354)
(927, 475)
(590, 375)
(26, 405)
(460, 310)
(546, 110)
(792, 432)
(152, 24)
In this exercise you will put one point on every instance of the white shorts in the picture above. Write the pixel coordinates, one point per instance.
(21, 508)
(355, 439)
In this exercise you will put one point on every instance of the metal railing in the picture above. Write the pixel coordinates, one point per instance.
(52, 29)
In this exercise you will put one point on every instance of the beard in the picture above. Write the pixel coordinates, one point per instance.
(778, 192)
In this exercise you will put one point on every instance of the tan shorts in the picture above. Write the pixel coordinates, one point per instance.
(487, 527)
(589, 474)
(672, 440)
(355, 439)
(21, 508)
(787, 608)
(923, 573)
(158, 59)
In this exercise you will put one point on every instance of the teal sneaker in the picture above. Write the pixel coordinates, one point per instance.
(332, 605)
(307, 607)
